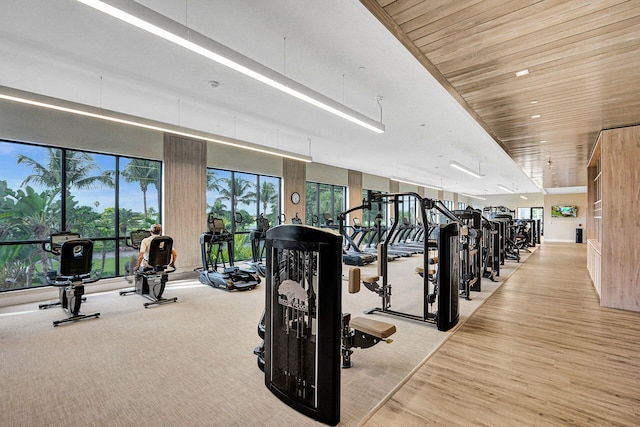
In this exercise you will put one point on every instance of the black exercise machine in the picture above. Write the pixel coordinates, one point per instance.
(302, 327)
(303, 303)
(73, 273)
(257, 237)
(490, 248)
(471, 256)
(212, 244)
(151, 281)
(361, 332)
(445, 291)
(351, 253)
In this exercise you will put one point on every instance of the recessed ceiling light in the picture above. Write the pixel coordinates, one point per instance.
(535, 116)
(522, 73)
(543, 141)
(533, 102)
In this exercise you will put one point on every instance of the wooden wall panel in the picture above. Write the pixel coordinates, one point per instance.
(394, 186)
(184, 199)
(620, 278)
(294, 177)
(355, 194)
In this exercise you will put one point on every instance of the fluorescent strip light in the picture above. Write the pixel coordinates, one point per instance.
(473, 197)
(464, 169)
(157, 127)
(522, 73)
(415, 183)
(155, 23)
(523, 197)
(508, 190)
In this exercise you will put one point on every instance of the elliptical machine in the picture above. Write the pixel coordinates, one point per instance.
(212, 244)
(73, 273)
(150, 282)
(258, 237)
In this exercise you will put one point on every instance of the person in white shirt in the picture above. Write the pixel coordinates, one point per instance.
(143, 257)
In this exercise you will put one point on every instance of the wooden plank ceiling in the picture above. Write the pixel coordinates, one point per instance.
(583, 59)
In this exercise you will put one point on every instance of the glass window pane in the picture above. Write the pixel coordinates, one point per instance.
(326, 203)
(311, 204)
(270, 199)
(338, 201)
(29, 191)
(139, 194)
(245, 201)
(23, 265)
(219, 196)
(89, 194)
(246, 204)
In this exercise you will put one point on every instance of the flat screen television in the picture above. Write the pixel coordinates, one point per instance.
(564, 211)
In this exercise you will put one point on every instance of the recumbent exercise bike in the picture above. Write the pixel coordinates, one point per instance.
(151, 281)
(73, 273)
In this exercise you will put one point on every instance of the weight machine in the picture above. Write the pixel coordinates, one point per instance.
(444, 288)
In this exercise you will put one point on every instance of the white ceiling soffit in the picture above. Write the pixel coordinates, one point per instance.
(67, 50)
(565, 190)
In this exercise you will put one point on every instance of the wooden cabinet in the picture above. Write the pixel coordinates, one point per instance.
(613, 220)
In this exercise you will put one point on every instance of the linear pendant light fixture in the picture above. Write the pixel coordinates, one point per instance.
(417, 184)
(41, 101)
(473, 197)
(507, 189)
(464, 169)
(148, 20)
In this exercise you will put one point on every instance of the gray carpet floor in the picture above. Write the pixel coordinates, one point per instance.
(191, 363)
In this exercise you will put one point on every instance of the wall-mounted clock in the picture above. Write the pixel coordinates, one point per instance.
(295, 197)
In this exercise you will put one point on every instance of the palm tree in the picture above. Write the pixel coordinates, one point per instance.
(268, 195)
(144, 172)
(82, 172)
(242, 193)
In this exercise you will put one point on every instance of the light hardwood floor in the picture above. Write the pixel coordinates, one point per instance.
(540, 352)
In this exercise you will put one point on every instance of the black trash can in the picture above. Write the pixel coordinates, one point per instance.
(578, 235)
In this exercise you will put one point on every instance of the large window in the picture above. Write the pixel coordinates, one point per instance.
(48, 190)
(239, 198)
(323, 201)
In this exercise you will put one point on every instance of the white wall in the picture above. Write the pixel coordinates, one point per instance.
(317, 172)
(23, 123)
(555, 229)
(564, 229)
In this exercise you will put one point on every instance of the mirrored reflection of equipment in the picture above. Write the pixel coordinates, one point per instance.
(303, 319)
(151, 281)
(214, 270)
(73, 273)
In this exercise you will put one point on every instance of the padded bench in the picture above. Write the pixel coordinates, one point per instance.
(373, 327)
